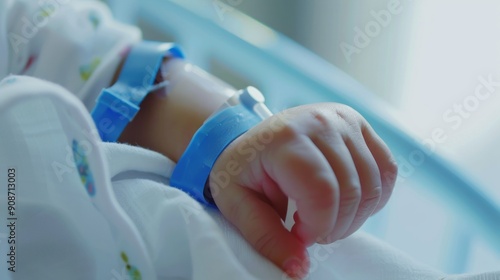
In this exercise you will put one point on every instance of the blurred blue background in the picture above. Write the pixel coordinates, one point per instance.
(427, 73)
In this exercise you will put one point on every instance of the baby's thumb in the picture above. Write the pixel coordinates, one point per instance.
(262, 227)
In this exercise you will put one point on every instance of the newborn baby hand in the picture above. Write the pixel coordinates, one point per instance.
(326, 157)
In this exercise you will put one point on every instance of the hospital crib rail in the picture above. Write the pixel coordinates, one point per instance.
(225, 41)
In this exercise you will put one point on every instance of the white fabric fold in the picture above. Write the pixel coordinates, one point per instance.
(75, 44)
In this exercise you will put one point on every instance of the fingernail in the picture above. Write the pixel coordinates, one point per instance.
(295, 269)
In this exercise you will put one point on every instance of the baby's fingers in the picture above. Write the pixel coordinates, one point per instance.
(261, 226)
(385, 161)
(369, 177)
(304, 175)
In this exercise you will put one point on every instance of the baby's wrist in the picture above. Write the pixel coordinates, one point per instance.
(171, 115)
(236, 116)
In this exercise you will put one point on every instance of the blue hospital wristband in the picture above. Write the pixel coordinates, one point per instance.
(193, 169)
(117, 106)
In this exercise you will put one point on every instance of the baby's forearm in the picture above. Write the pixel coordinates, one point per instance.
(166, 123)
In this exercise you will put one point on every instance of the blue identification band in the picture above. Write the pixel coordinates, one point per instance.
(117, 106)
(193, 169)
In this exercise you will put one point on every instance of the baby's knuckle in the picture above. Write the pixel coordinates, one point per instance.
(366, 208)
(350, 116)
(373, 193)
(348, 112)
(322, 118)
(351, 192)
